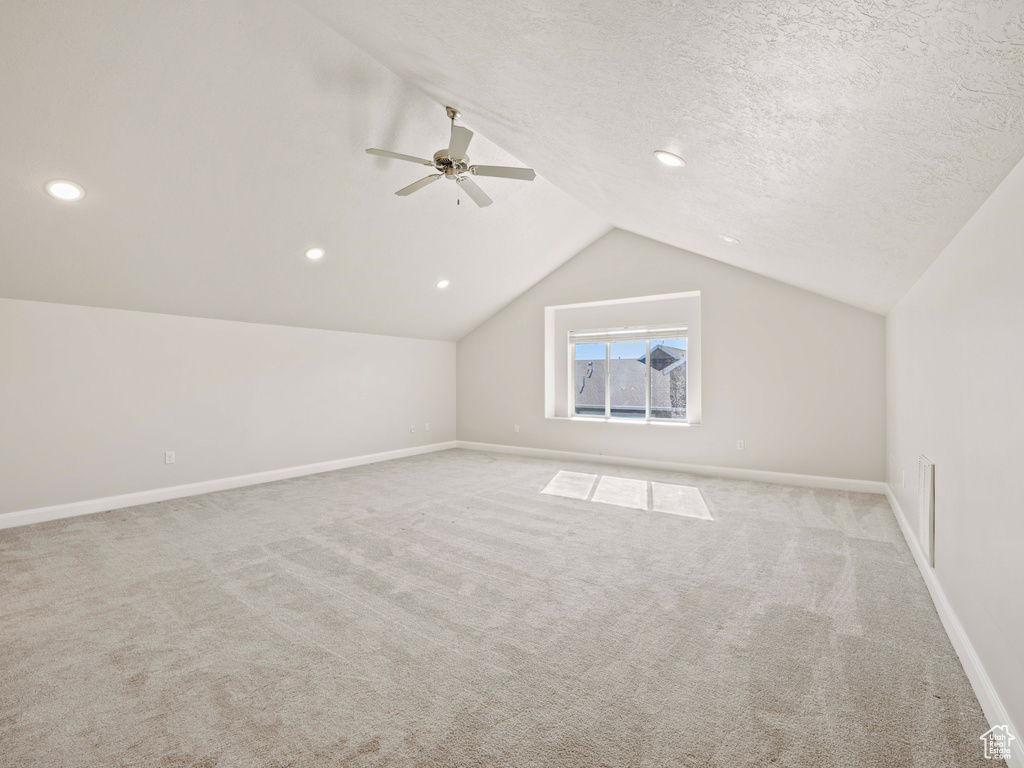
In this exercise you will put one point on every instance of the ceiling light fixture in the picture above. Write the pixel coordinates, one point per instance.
(315, 253)
(443, 283)
(61, 189)
(729, 239)
(669, 159)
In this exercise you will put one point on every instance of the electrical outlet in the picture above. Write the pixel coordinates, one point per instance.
(168, 457)
(412, 428)
(739, 445)
(426, 427)
(516, 427)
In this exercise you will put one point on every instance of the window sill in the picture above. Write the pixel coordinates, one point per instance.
(607, 420)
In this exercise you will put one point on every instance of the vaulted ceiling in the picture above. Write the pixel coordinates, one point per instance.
(843, 144)
(217, 142)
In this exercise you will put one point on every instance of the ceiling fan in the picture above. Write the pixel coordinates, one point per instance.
(453, 164)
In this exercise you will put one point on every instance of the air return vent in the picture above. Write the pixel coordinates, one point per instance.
(926, 507)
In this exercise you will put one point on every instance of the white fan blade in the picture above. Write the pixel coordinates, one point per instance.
(460, 142)
(504, 171)
(475, 193)
(418, 184)
(397, 156)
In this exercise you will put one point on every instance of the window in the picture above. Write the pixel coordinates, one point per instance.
(671, 322)
(629, 373)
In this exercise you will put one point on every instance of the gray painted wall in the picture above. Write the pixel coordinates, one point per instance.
(91, 398)
(956, 394)
(798, 377)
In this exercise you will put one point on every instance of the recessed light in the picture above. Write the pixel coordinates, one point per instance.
(61, 189)
(315, 253)
(668, 158)
(729, 239)
(443, 283)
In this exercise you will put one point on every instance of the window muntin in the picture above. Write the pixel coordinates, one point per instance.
(630, 373)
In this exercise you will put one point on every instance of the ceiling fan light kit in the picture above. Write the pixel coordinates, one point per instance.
(452, 163)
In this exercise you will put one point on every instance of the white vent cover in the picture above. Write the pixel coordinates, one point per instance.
(926, 507)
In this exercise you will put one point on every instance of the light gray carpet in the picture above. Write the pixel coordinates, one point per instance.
(440, 611)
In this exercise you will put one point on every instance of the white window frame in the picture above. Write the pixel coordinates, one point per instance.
(636, 311)
(608, 336)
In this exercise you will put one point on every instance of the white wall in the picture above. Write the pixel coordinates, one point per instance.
(91, 398)
(798, 377)
(956, 394)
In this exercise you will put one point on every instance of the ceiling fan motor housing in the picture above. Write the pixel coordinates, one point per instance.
(450, 168)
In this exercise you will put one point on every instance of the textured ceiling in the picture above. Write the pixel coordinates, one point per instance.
(218, 141)
(844, 143)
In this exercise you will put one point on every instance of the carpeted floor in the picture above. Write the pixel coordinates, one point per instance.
(441, 611)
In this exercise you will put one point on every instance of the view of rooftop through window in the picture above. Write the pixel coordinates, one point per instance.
(612, 379)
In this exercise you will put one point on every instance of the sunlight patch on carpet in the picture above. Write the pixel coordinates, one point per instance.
(622, 492)
(683, 500)
(572, 485)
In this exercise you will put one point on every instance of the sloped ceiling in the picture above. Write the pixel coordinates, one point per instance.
(218, 141)
(844, 143)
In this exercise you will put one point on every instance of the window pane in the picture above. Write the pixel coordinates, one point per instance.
(668, 378)
(589, 390)
(628, 380)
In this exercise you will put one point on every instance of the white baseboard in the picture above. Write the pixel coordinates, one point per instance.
(989, 700)
(42, 514)
(761, 476)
